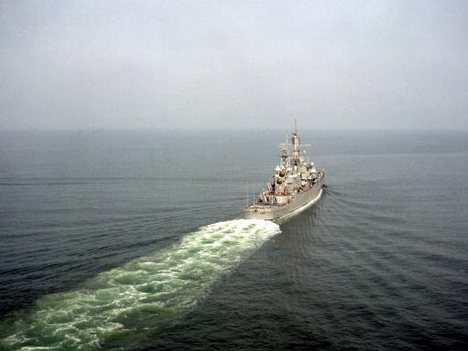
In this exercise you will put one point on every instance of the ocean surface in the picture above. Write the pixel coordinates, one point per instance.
(132, 240)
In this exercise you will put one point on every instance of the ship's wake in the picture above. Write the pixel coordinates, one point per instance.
(120, 305)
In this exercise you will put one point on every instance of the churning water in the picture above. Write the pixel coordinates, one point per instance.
(128, 241)
(143, 294)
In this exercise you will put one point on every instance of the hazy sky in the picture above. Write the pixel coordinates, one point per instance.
(234, 64)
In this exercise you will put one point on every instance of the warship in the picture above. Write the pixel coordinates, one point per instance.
(296, 184)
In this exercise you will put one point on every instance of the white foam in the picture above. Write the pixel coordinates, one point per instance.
(149, 291)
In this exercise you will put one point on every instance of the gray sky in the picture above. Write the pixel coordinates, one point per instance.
(234, 64)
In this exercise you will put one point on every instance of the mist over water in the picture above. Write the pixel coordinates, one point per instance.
(95, 252)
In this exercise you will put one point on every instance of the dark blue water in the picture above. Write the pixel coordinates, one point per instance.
(130, 241)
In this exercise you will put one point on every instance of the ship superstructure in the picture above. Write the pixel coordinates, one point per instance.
(296, 184)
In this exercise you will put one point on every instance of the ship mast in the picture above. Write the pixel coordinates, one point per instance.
(295, 141)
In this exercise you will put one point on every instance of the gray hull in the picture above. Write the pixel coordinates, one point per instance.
(300, 202)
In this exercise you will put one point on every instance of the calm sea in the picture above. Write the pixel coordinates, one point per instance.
(132, 240)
